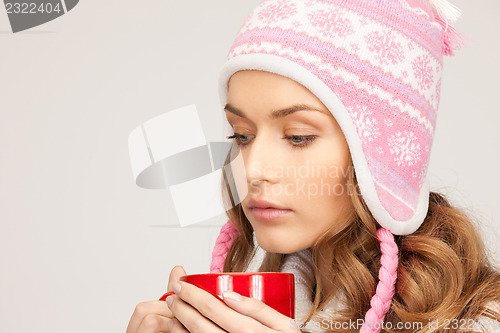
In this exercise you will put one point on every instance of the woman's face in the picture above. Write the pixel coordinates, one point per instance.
(295, 160)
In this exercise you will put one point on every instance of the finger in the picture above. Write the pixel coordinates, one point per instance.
(216, 311)
(192, 320)
(176, 327)
(143, 309)
(154, 323)
(175, 274)
(257, 310)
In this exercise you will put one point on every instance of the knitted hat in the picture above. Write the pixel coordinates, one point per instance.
(377, 66)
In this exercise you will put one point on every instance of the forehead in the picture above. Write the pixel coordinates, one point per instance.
(262, 89)
(262, 78)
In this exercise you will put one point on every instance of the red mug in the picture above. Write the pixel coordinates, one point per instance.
(274, 289)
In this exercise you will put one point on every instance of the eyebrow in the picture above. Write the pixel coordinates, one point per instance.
(277, 113)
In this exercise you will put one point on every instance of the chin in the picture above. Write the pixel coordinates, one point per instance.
(274, 245)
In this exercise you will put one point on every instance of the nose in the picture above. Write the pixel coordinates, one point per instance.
(263, 162)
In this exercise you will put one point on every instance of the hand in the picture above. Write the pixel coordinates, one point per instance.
(196, 310)
(154, 316)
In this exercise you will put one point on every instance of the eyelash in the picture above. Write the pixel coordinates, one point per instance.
(308, 140)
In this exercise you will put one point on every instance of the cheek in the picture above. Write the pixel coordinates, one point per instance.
(328, 208)
(325, 181)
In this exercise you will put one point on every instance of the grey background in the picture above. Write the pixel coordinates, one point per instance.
(80, 244)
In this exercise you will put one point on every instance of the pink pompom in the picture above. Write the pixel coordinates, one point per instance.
(451, 39)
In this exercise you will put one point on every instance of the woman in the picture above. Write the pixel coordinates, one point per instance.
(350, 88)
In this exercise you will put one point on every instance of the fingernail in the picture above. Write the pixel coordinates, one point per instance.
(169, 300)
(232, 295)
(176, 287)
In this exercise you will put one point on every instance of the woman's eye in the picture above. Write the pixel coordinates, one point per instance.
(239, 139)
(296, 141)
(300, 141)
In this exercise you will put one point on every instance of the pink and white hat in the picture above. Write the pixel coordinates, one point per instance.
(377, 66)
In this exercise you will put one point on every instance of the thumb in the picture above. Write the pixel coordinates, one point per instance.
(175, 275)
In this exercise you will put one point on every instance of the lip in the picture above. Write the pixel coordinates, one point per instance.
(269, 214)
(252, 203)
(263, 210)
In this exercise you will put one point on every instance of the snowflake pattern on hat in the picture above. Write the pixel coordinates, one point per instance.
(405, 148)
(331, 23)
(366, 125)
(385, 47)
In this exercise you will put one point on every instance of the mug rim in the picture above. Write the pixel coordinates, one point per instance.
(241, 274)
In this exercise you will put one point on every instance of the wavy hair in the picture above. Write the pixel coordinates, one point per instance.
(444, 273)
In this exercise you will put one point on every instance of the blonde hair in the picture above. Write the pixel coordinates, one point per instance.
(444, 273)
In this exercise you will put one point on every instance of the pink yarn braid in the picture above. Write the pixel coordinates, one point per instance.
(222, 245)
(387, 275)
